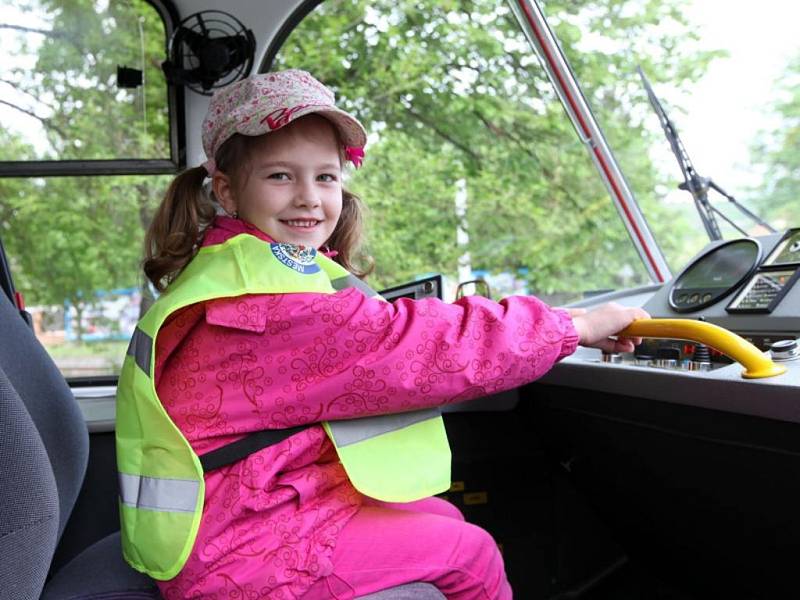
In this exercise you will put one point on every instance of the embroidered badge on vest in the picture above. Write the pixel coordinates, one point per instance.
(299, 258)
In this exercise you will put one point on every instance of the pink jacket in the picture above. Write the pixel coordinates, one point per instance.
(231, 366)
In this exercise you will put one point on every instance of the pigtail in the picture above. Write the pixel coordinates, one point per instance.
(347, 236)
(177, 228)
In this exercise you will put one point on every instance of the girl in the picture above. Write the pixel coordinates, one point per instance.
(250, 335)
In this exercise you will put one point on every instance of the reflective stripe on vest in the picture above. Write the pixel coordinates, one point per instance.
(140, 348)
(351, 281)
(346, 433)
(153, 493)
(396, 458)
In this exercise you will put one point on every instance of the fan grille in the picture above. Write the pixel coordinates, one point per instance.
(209, 49)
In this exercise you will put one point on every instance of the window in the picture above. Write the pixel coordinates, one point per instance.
(74, 241)
(82, 82)
(729, 80)
(472, 169)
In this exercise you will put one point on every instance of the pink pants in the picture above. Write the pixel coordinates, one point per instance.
(387, 545)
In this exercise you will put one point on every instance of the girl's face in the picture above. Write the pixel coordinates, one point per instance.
(293, 191)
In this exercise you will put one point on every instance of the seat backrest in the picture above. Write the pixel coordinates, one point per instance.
(28, 500)
(50, 404)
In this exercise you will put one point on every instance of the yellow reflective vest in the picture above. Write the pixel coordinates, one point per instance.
(395, 458)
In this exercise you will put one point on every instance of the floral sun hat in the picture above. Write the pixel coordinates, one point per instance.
(267, 102)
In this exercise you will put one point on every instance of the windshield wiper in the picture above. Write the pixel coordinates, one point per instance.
(695, 184)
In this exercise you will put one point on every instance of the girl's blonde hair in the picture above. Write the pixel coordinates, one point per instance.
(181, 220)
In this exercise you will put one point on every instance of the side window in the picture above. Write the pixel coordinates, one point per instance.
(74, 241)
(472, 169)
(82, 81)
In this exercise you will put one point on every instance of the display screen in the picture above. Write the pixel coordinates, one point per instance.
(392, 297)
(714, 275)
(723, 267)
(787, 252)
(428, 287)
(762, 290)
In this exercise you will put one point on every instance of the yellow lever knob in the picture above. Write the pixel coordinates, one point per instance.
(756, 364)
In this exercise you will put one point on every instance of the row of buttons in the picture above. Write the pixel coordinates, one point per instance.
(664, 363)
(693, 298)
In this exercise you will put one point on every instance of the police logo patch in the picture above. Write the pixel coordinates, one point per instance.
(297, 258)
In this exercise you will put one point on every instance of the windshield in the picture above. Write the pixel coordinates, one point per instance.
(728, 79)
(472, 170)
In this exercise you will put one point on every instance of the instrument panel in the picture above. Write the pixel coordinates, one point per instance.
(764, 291)
(677, 371)
(714, 274)
(748, 286)
(774, 278)
(426, 287)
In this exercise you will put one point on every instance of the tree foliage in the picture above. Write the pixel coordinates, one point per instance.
(71, 237)
(458, 80)
(450, 90)
(778, 154)
(72, 87)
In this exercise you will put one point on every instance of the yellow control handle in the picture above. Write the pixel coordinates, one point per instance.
(752, 359)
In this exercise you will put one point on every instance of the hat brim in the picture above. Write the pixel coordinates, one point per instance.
(351, 131)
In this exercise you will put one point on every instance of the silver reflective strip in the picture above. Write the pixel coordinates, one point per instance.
(140, 348)
(352, 281)
(353, 431)
(155, 493)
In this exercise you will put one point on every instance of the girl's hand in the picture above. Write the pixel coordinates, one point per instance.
(594, 327)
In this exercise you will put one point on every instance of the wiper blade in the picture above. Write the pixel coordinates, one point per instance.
(693, 182)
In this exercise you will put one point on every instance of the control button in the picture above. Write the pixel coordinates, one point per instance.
(669, 352)
(701, 354)
(785, 350)
(706, 297)
(612, 357)
(694, 298)
(682, 298)
(700, 366)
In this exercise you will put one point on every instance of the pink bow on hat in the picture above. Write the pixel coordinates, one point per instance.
(354, 155)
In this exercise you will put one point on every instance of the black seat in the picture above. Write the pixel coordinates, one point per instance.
(44, 451)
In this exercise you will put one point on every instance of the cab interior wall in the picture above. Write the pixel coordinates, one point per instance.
(585, 483)
(695, 495)
(266, 19)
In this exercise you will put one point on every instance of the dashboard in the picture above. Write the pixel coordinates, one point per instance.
(747, 286)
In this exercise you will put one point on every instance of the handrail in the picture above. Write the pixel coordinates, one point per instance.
(757, 365)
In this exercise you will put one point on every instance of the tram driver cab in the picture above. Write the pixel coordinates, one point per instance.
(667, 472)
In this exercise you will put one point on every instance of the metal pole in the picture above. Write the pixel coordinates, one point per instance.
(541, 37)
(462, 233)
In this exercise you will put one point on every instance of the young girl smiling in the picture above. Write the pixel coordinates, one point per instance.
(278, 433)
